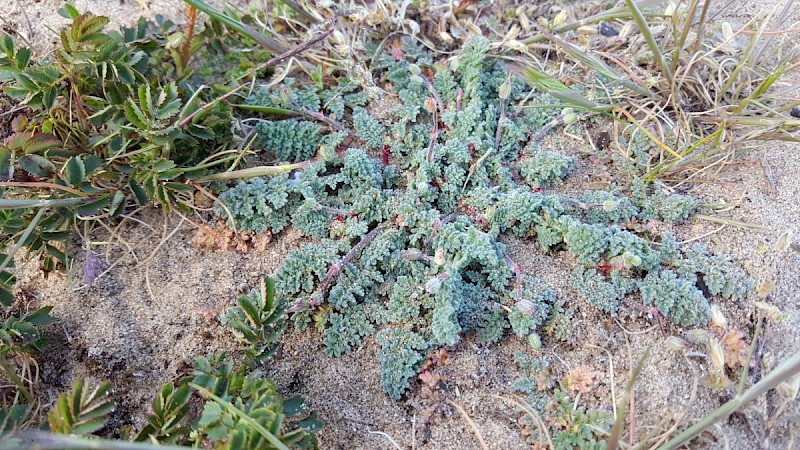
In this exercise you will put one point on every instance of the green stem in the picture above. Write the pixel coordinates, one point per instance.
(243, 417)
(783, 372)
(641, 23)
(14, 377)
(37, 440)
(7, 203)
(252, 172)
(22, 239)
(267, 43)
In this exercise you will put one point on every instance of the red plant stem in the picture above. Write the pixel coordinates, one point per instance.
(316, 115)
(434, 133)
(500, 121)
(437, 226)
(315, 299)
(559, 120)
(191, 17)
(289, 53)
(517, 276)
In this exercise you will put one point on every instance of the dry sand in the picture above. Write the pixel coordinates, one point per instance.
(144, 321)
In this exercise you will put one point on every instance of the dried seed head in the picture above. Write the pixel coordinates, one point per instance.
(697, 336)
(527, 307)
(610, 205)
(412, 255)
(433, 285)
(430, 105)
(505, 88)
(718, 319)
(716, 353)
(535, 341)
(789, 388)
(569, 116)
(513, 32)
(516, 45)
(438, 257)
(676, 343)
(91, 267)
(560, 19)
(524, 22)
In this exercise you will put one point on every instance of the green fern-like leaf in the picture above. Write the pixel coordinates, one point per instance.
(81, 411)
(169, 409)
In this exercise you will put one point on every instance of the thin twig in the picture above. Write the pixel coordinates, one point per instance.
(315, 299)
(391, 439)
(300, 48)
(191, 116)
(470, 422)
(315, 115)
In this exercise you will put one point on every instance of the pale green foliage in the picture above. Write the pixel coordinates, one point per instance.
(562, 324)
(545, 168)
(400, 356)
(289, 140)
(678, 299)
(672, 208)
(368, 129)
(257, 205)
(532, 308)
(345, 331)
(718, 272)
(600, 291)
(407, 246)
(605, 207)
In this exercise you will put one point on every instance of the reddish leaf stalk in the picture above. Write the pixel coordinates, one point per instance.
(191, 17)
(437, 226)
(315, 115)
(517, 276)
(315, 299)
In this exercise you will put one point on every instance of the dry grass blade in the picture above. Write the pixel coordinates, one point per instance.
(619, 423)
(787, 369)
(472, 425)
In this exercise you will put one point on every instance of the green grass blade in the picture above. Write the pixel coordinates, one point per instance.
(264, 109)
(644, 28)
(238, 26)
(244, 418)
(555, 88)
(597, 64)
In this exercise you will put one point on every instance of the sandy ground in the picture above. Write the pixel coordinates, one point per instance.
(153, 312)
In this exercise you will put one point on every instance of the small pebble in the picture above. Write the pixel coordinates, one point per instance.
(607, 30)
